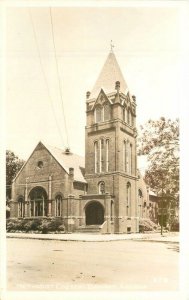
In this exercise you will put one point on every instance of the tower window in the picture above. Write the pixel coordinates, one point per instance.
(106, 112)
(101, 155)
(98, 114)
(124, 156)
(96, 156)
(102, 113)
(107, 155)
(128, 200)
(127, 156)
(124, 114)
(132, 120)
(130, 158)
(128, 116)
(111, 211)
(101, 187)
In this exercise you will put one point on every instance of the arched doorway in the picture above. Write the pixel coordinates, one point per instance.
(39, 204)
(94, 213)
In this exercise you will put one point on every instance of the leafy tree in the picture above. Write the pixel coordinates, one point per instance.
(159, 141)
(13, 165)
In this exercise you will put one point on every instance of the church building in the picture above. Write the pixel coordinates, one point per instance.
(102, 193)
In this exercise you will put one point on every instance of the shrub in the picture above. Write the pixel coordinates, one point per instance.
(42, 225)
(35, 224)
(175, 226)
(27, 226)
(21, 224)
(61, 228)
(11, 225)
(54, 224)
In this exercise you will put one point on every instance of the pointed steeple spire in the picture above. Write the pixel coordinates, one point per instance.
(109, 74)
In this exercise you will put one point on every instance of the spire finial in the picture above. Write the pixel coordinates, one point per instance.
(111, 46)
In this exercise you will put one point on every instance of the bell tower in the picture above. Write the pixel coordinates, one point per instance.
(110, 145)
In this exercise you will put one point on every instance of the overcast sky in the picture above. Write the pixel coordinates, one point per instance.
(147, 47)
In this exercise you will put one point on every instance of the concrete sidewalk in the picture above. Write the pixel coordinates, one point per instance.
(172, 237)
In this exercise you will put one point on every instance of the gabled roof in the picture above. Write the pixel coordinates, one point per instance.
(65, 160)
(109, 74)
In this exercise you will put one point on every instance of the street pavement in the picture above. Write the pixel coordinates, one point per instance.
(80, 265)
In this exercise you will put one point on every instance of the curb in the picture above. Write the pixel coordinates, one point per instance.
(93, 240)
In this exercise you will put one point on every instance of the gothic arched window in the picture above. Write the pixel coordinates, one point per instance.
(101, 187)
(102, 113)
(98, 114)
(58, 206)
(107, 155)
(128, 116)
(124, 156)
(124, 114)
(20, 207)
(96, 156)
(128, 200)
(39, 203)
(132, 120)
(130, 158)
(106, 112)
(112, 210)
(127, 157)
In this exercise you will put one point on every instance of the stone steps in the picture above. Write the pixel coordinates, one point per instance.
(89, 229)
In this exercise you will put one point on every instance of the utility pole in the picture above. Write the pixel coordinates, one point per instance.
(161, 218)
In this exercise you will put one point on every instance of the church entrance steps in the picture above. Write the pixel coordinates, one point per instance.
(89, 229)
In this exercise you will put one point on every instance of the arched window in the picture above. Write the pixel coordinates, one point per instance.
(101, 155)
(128, 195)
(20, 207)
(132, 120)
(98, 114)
(102, 113)
(106, 112)
(58, 206)
(39, 204)
(107, 155)
(111, 211)
(130, 158)
(96, 156)
(124, 156)
(101, 187)
(128, 116)
(127, 157)
(124, 114)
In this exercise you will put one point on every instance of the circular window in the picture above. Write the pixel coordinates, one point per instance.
(40, 164)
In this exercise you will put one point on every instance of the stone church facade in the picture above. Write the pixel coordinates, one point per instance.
(102, 193)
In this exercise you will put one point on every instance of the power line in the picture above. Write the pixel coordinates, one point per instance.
(58, 75)
(44, 75)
